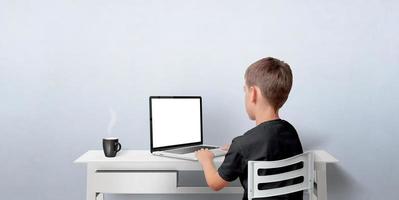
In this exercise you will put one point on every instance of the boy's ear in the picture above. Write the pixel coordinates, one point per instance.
(253, 94)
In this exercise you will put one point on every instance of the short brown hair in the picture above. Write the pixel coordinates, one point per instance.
(273, 77)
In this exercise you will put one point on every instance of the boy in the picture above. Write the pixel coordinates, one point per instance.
(268, 82)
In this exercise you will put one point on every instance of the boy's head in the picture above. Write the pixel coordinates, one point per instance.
(268, 82)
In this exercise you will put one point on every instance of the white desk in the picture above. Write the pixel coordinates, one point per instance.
(139, 172)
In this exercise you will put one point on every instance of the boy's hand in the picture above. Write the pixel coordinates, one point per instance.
(225, 147)
(204, 155)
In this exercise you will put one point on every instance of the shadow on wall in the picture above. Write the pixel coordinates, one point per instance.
(341, 185)
(311, 140)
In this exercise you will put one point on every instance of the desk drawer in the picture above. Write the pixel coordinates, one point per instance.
(132, 181)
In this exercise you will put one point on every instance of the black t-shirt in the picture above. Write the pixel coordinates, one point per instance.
(268, 141)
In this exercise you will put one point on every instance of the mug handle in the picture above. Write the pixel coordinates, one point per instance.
(119, 147)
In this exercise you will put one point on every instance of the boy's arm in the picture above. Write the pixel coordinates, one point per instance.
(212, 176)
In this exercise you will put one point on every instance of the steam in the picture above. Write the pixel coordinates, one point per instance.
(112, 122)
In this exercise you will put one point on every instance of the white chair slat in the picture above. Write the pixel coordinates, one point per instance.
(279, 163)
(279, 191)
(281, 177)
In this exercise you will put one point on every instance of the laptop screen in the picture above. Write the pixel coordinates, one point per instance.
(175, 121)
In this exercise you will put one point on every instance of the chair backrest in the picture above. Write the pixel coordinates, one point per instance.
(307, 172)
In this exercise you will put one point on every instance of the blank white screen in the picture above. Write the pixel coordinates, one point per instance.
(175, 121)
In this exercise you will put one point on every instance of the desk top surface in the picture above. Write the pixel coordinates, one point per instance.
(130, 156)
(124, 156)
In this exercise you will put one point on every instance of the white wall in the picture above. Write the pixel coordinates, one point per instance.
(63, 64)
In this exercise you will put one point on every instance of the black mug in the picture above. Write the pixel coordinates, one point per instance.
(111, 146)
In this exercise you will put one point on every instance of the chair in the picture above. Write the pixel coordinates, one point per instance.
(307, 172)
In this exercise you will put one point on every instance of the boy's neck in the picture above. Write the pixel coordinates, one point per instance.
(266, 115)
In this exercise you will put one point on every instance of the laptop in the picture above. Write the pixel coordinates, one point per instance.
(176, 127)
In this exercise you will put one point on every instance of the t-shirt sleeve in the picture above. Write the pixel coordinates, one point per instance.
(232, 166)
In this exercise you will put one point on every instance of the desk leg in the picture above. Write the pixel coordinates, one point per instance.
(91, 194)
(321, 181)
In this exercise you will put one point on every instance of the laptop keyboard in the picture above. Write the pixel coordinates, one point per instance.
(185, 150)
